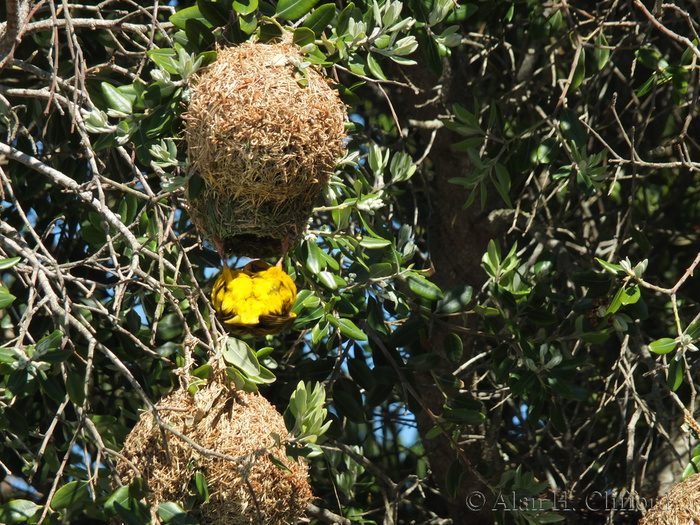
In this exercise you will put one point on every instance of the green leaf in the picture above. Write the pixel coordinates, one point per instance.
(75, 386)
(298, 400)
(646, 86)
(14, 421)
(6, 298)
(374, 67)
(313, 259)
(180, 18)
(402, 167)
(455, 300)
(248, 23)
(18, 511)
(134, 515)
(693, 467)
(630, 295)
(172, 514)
(245, 7)
(572, 129)
(294, 9)
(5, 264)
(319, 332)
(278, 463)
(303, 36)
(327, 279)
(453, 348)
(241, 380)
(372, 243)
(265, 376)
(567, 389)
(430, 52)
(350, 12)
(662, 346)
(381, 270)
(449, 382)
(348, 400)
(347, 328)
(422, 287)
(461, 13)
(199, 34)
(47, 349)
(453, 478)
(319, 20)
(614, 269)
(676, 369)
(376, 159)
(239, 354)
(116, 99)
(522, 384)
(361, 373)
(127, 498)
(379, 393)
(408, 332)
(580, 71)
(423, 362)
(420, 9)
(200, 483)
(270, 29)
(502, 183)
(433, 432)
(601, 53)
(594, 337)
(217, 14)
(624, 296)
(70, 495)
(693, 331)
(649, 57)
(9, 355)
(165, 59)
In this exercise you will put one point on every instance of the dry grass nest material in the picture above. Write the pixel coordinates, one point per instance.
(263, 135)
(230, 423)
(681, 506)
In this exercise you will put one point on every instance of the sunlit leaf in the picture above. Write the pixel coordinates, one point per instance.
(347, 328)
(293, 9)
(18, 511)
(245, 7)
(423, 287)
(601, 52)
(664, 345)
(6, 264)
(320, 18)
(240, 354)
(70, 495)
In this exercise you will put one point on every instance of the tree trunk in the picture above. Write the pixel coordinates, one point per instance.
(457, 239)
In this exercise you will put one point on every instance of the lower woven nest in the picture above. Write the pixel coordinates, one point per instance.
(681, 506)
(252, 490)
(264, 133)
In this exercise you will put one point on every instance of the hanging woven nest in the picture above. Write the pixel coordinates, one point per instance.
(237, 424)
(264, 132)
(681, 506)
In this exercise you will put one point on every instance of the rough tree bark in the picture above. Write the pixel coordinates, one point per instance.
(457, 239)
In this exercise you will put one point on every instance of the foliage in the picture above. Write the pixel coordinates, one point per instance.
(568, 369)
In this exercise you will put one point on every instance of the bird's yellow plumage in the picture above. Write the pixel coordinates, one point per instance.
(256, 300)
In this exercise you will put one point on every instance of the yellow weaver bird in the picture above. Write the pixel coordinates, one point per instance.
(255, 300)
